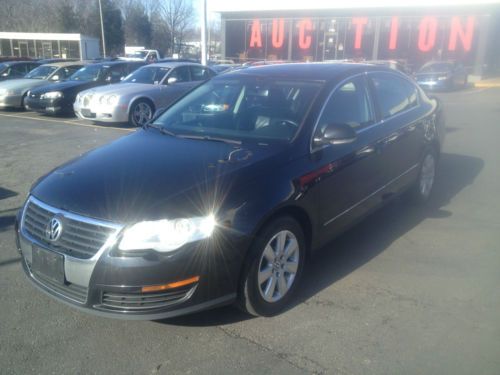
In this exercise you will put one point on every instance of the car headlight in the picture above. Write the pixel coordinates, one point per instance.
(110, 100)
(442, 78)
(166, 235)
(6, 92)
(52, 95)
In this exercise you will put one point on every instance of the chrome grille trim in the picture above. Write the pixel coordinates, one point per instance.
(82, 237)
(135, 302)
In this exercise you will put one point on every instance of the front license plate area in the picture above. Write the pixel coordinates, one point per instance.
(48, 264)
(87, 113)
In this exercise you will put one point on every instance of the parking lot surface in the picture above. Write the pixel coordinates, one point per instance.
(411, 290)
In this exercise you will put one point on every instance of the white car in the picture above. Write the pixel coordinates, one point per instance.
(140, 94)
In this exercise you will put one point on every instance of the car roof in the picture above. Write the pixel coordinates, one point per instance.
(308, 71)
(10, 63)
(63, 64)
(111, 63)
(173, 64)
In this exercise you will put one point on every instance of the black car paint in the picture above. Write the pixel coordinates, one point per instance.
(70, 90)
(148, 175)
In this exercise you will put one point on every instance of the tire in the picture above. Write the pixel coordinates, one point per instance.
(23, 104)
(140, 112)
(422, 189)
(271, 276)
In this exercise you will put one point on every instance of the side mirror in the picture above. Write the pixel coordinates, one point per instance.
(337, 134)
(55, 78)
(171, 80)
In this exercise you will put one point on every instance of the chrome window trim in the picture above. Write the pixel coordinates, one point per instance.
(313, 149)
(369, 196)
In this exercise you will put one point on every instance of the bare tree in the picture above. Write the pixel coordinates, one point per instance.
(178, 16)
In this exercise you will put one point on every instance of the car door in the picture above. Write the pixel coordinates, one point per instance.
(353, 171)
(173, 90)
(401, 117)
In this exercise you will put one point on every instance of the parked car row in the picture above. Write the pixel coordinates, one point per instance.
(115, 91)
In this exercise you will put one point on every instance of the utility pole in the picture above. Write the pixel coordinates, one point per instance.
(204, 34)
(102, 31)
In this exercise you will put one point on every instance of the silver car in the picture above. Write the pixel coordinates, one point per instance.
(13, 92)
(136, 98)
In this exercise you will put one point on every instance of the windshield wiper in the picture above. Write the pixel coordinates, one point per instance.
(210, 138)
(161, 129)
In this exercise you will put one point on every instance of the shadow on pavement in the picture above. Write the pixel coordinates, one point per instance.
(366, 240)
(6, 193)
(10, 261)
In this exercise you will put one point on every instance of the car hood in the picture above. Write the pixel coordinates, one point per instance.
(66, 85)
(22, 84)
(148, 176)
(122, 89)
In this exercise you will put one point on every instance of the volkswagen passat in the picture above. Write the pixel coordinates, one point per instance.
(223, 196)
(140, 94)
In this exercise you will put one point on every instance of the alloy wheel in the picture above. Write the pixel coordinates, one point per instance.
(278, 266)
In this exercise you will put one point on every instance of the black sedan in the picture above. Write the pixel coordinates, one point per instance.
(442, 75)
(222, 197)
(59, 98)
(16, 69)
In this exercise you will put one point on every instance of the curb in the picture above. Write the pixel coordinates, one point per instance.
(484, 85)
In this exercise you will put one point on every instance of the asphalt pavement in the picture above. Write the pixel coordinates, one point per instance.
(410, 290)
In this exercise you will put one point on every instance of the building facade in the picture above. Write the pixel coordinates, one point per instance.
(414, 34)
(48, 45)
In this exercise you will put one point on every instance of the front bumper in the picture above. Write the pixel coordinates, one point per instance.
(10, 101)
(117, 114)
(49, 106)
(109, 284)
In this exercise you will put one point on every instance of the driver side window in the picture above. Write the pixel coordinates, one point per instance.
(349, 104)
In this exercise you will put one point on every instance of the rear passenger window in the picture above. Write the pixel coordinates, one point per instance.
(394, 94)
(349, 104)
(181, 73)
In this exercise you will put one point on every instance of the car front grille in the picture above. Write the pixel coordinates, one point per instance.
(81, 237)
(138, 301)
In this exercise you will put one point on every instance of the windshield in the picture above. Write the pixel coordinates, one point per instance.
(151, 75)
(89, 73)
(436, 68)
(137, 54)
(242, 108)
(42, 72)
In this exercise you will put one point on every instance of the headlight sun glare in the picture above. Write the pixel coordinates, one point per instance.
(166, 235)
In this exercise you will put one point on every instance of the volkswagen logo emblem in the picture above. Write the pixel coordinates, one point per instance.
(54, 229)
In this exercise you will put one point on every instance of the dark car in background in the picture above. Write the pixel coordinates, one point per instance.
(223, 196)
(442, 75)
(16, 69)
(13, 92)
(59, 98)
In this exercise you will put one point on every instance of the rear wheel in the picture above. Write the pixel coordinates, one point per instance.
(140, 113)
(273, 269)
(422, 189)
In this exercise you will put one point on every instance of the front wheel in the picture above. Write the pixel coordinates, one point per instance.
(273, 269)
(140, 113)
